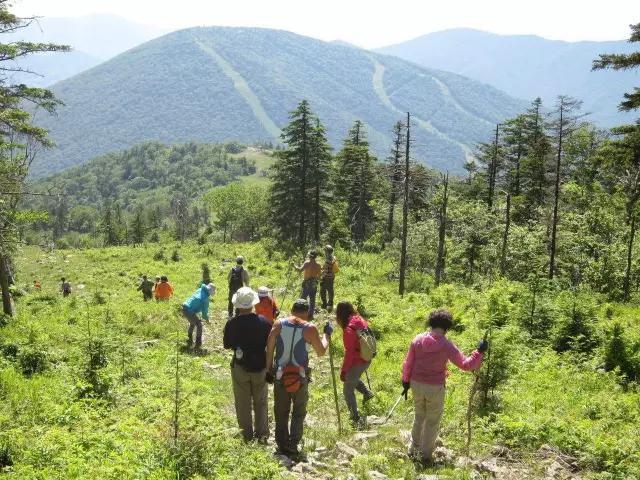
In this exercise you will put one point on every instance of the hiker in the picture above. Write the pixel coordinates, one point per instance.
(65, 287)
(156, 283)
(163, 290)
(246, 334)
(329, 270)
(238, 277)
(353, 365)
(290, 372)
(36, 285)
(267, 307)
(311, 270)
(146, 287)
(197, 303)
(424, 372)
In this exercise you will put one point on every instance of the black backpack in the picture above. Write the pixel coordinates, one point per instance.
(236, 281)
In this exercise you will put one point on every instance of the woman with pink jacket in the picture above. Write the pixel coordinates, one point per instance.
(425, 372)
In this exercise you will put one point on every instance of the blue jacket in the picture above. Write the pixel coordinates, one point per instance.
(199, 302)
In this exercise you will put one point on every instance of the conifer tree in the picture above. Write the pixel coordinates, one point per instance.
(291, 176)
(394, 168)
(320, 170)
(355, 182)
(138, 227)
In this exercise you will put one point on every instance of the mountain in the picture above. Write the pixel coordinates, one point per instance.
(94, 39)
(217, 84)
(527, 66)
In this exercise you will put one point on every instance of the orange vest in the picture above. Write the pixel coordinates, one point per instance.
(164, 290)
(267, 308)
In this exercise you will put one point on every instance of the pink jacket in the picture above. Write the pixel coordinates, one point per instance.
(351, 343)
(427, 359)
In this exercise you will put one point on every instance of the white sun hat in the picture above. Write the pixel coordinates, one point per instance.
(212, 289)
(263, 291)
(245, 298)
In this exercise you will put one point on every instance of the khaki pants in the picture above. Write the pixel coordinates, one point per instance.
(428, 401)
(250, 390)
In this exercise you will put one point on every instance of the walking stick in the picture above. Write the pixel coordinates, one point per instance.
(335, 388)
(366, 372)
(472, 394)
(386, 419)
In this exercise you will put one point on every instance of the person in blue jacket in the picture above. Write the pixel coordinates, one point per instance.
(198, 303)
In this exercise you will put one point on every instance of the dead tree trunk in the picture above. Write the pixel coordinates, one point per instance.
(505, 237)
(405, 210)
(442, 230)
(626, 288)
(7, 308)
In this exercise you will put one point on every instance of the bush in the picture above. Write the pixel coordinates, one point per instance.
(9, 351)
(175, 256)
(159, 255)
(575, 331)
(32, 361)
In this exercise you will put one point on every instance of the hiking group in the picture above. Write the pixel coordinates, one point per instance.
(271, 349)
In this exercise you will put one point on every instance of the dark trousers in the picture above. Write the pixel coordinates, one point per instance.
(309, 291)
(195, 323)
(290, 405)
(326, 292)
(352, 383)
(147, 295)
(230, 306)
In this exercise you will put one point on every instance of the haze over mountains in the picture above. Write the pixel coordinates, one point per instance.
(527, 66)
(217, 84)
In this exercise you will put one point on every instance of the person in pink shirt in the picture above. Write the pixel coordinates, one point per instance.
(425, 371)
(353, 365)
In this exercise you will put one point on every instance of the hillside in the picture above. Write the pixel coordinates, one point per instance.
(87, 383)
(216, 84)
(527, 66)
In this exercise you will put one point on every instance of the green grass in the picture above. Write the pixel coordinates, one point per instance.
(49, 429)
(263, 161)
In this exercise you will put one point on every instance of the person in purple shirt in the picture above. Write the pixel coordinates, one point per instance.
(425, 372)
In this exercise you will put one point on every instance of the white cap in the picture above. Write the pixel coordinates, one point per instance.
(212, 289)
(245, 298)
(263, 291)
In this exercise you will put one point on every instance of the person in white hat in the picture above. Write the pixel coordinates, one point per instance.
(267, 307)
(246, 334)
(197, 303)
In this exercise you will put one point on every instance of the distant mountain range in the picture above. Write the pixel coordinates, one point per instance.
(216, 84)
(527, 66)
(94, 39)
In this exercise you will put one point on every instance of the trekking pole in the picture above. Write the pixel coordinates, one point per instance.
(472, 394)
(386, 419)
(366, 372)
(335, 388)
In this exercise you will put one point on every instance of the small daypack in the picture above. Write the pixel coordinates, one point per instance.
(66, 287)
(368, 344)
(236, 281)
(291, 378)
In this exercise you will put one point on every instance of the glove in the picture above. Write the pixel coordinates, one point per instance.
(405, 389)
(269, 376)
(342, 376)
(328, 329)
(483, 346)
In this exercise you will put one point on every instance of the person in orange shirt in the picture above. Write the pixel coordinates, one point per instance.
(36, 284)
(267, 307)
(312, 271)
(164, 290)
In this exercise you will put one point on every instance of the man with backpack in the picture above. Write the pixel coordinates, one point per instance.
(359, 350)
(329, 270)
(311, 274)
(246, 334)
(290, 372)
(238, 277)
(65, 287)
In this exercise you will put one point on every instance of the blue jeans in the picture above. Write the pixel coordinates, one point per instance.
(309, 290)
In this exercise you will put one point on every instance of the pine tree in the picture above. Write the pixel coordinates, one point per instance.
(624, 62)
(291, 176)
(320, 172)
(564, 124)
(108, 227)
(355, 182)
(138, 227)
(394, 168)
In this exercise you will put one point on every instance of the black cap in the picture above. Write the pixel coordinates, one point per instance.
(300, 305)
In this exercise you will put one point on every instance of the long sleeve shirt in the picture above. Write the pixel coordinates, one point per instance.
(351, 343)
(427, 359)
(199, 302)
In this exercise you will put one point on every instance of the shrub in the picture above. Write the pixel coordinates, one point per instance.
(32, 360)
(175, 256)
(9, 350)
(159, 255)
(577, 318)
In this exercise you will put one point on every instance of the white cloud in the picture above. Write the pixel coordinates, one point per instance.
(369, 23)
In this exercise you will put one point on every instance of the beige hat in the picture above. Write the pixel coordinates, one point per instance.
(212, 289)
(263, 291)
(245, 298)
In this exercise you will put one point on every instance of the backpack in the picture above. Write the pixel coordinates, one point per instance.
(368, 344)
(66, 287)
(291, 378)
(236, 281)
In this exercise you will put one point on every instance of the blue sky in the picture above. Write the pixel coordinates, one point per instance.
(370, 23)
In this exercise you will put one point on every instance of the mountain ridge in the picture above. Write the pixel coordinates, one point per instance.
(237, 80)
